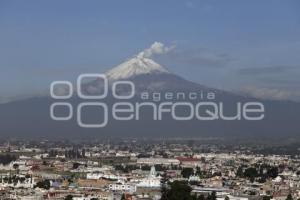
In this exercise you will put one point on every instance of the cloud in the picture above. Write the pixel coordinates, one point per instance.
(264, 70)
(276, 82)
(291, 83)
(272, 93)
(189, 4)
(157, 48)
(195, 57)
(200, 57)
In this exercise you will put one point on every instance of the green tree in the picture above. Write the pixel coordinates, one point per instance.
(43, 184)
(164, 190)
(76, 165)
(198, 171)
(187, 172)
(240, 172)
(69, 197)
(251, 173)
(266, 198)
(16, 167)
(289, 197)
(201, 197)
(179, 190)
(7, 158)
(146, 168)
(272, 172)
(123, 197)
(212, 196)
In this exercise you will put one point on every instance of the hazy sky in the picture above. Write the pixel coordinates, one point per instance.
(253, 46)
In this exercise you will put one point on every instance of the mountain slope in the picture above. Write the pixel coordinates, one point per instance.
(31, 118)
(136, 66)
(147, 75)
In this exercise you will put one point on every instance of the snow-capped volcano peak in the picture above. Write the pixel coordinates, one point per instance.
(136, 66)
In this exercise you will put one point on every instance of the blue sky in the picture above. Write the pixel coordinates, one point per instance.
(251, 46)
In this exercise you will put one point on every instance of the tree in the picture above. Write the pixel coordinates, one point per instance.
(16, 167)
(179, 191)
(146, 168)
(123, 197)
(187, 172)
(198, 171)
(43, 184)
(76, 165)
(7, 158)
(69, 197)
(201, 197)
(266, 198)
(289, 197)
(240, 172)
(212, 196)
(164, 190)
(251, 173)
(272, 172)
(83, 153)
(160, 168)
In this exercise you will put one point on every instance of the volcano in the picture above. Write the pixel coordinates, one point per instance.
(31, 118)
(147, 76)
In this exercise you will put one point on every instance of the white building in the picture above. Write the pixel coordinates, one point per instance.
(158, 161)
(152, 181)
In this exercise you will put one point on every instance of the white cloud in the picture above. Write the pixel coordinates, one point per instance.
(272, 93)
(157, 48)
(198, 57)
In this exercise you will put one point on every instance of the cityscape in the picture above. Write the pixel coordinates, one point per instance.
(149, 100)
(149, 169)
